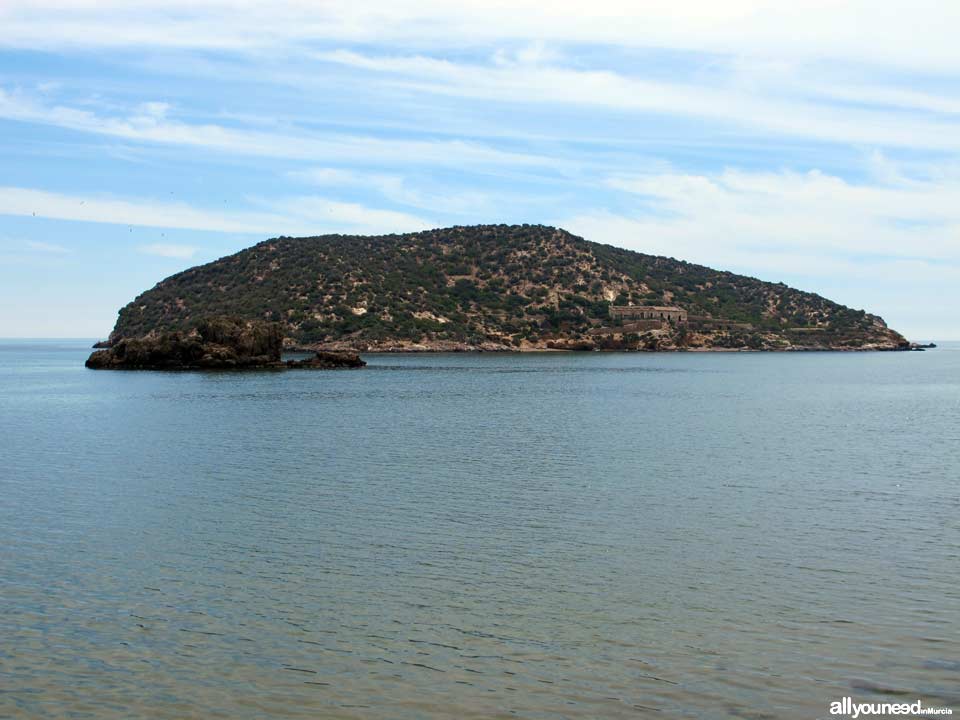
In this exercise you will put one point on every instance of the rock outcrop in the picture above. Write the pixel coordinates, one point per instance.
(328, 361)
(218, 343)
(571, 345)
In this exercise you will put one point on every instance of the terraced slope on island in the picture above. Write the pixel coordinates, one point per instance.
(493, 287)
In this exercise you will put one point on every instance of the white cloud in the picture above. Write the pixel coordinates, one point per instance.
(918, 34)
(763, 67)
(182, 252)
(318, 212)
(150, 124)
(390, 186)
(46, 247)
(773, 93)
(822, 214)
(302, 215)
(761, 102)
(143, 213)
(154, 109)
(327, 177)
(398, 189)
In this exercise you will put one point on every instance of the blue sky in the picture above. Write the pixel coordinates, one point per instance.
(812, 143)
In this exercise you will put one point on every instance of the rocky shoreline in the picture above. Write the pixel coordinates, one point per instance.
(667, 340)
(223, 343)
(426, 349)
(220, 343)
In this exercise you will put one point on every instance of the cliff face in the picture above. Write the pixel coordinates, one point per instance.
(492, 287)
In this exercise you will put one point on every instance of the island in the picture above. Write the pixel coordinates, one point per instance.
(487, 288)
(216, 343)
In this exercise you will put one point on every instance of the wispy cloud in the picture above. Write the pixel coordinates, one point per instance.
(398, 189)
(784, 221)
(147, 124)
(180, 252)
(299, 215)
(881, 32)
(136, 213)
(307, 212)
(739, 77)
(760, 102)
(45, 247)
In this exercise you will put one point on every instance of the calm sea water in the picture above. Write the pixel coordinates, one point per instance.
(478, 536)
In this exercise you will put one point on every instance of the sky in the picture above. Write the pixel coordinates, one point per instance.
(814, 143)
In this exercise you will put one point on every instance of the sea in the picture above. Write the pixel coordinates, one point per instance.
(542, 535)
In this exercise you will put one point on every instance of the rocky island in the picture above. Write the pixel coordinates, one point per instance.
(491, 288)
(218, 343)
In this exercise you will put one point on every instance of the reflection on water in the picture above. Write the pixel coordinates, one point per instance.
(480, 536)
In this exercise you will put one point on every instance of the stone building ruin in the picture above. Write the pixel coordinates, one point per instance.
(658, 313)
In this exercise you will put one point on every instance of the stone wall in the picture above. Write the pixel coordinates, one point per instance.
(699, 322)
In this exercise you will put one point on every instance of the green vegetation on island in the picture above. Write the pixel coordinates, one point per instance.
(496, 287)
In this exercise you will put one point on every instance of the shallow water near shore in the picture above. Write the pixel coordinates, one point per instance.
(475, 536)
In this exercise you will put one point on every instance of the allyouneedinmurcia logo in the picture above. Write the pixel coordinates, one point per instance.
(847, 707)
